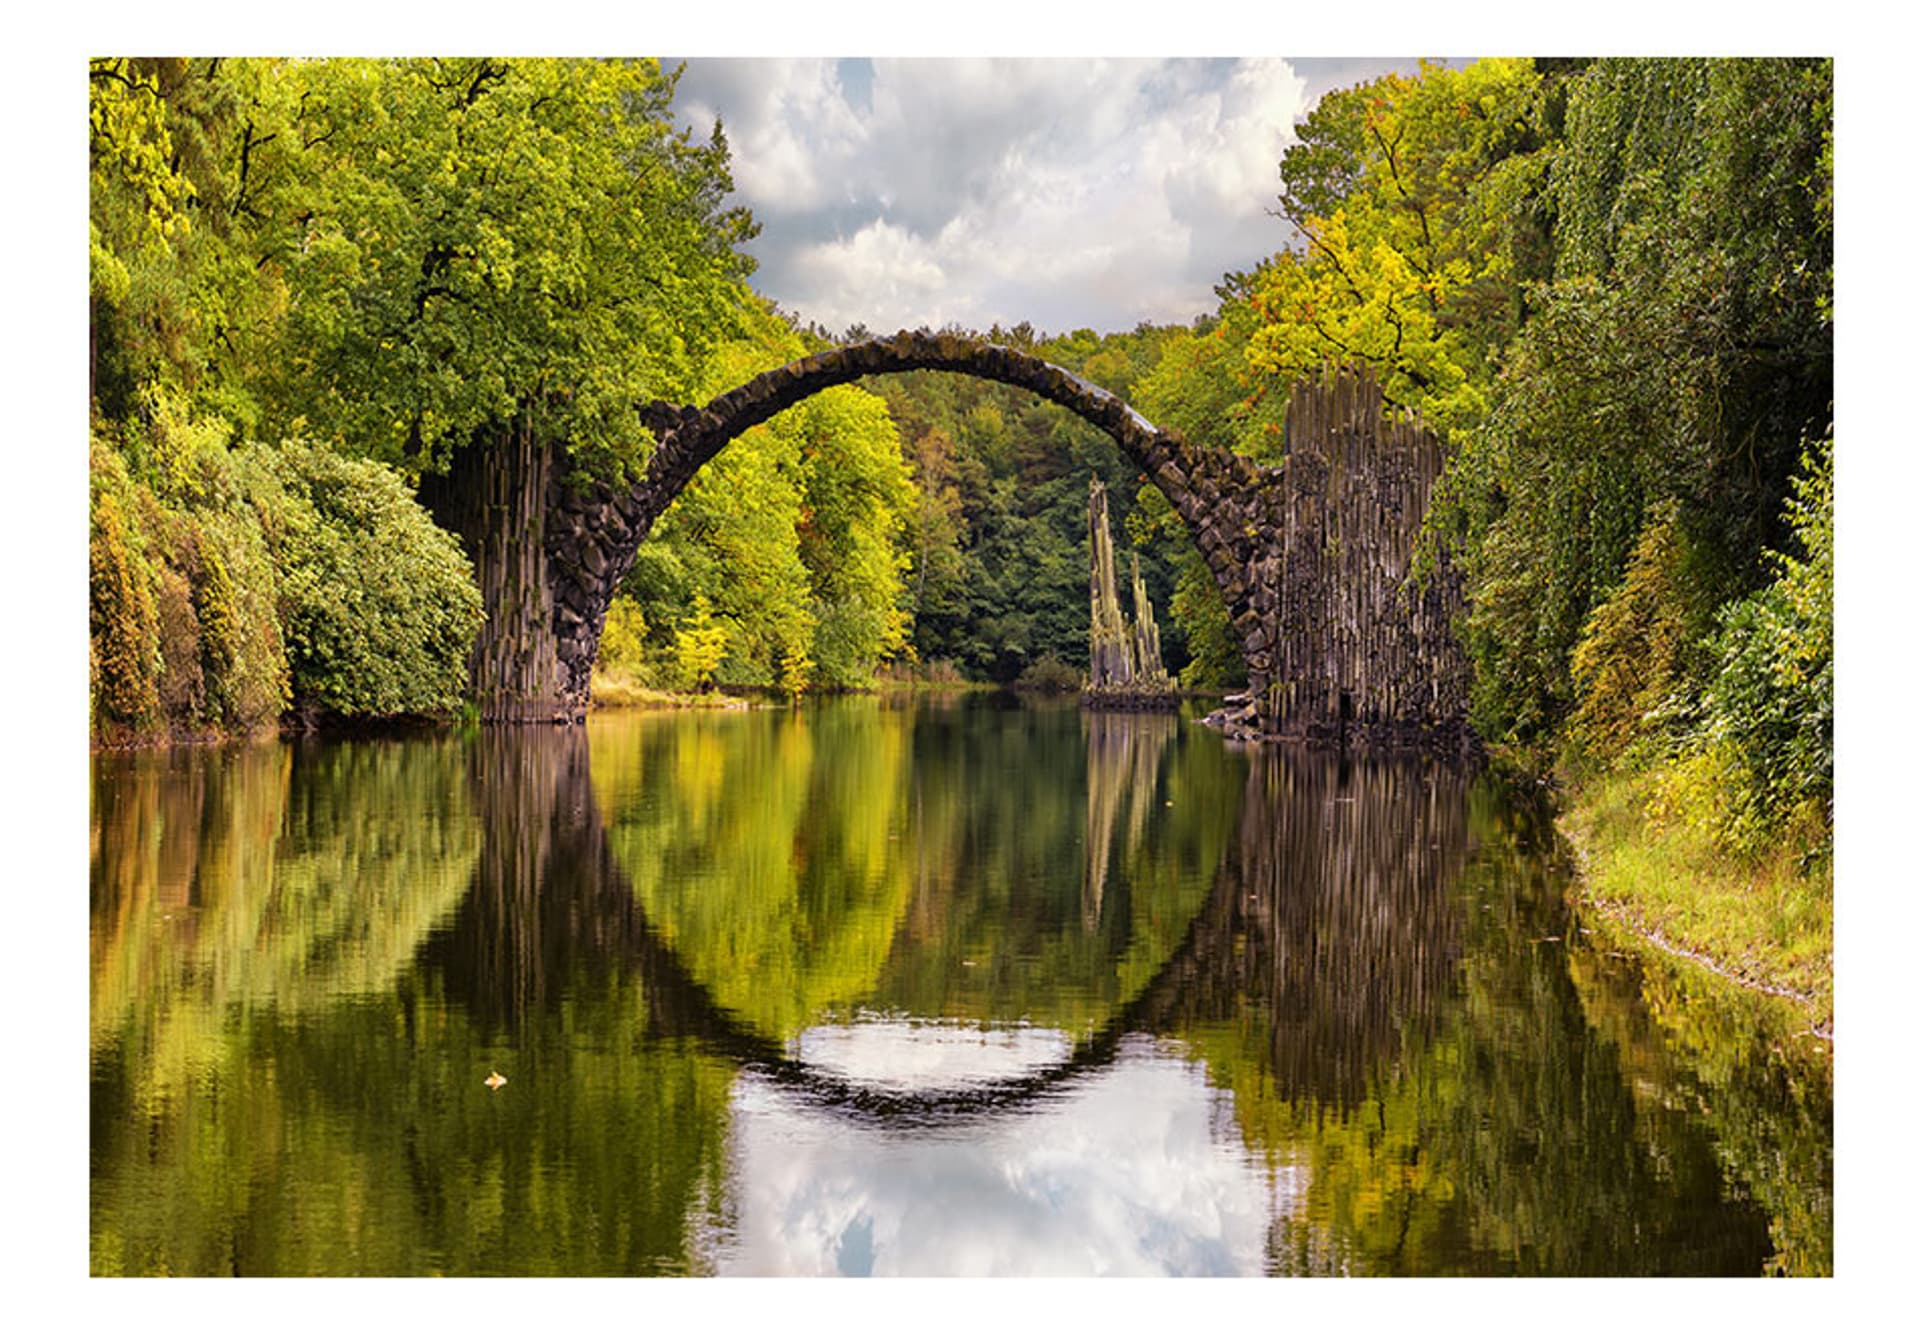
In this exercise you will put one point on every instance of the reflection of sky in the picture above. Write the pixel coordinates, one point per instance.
(921, 1055)
(1138, 1169)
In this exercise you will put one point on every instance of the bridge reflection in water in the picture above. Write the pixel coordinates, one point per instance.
(1328, 912)
(945, 990)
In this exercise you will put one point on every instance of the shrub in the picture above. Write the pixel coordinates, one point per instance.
(378, 606)
(1632, 666)
(182, 684)
(243, 653)
(1771, 703)
(185, 633)
(1048, 673)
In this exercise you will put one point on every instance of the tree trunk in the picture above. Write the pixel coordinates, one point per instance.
(494, 497)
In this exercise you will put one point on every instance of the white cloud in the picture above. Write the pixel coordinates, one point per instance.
(880, 268)
(927, 1055)
(1065, 192)
(787, 121)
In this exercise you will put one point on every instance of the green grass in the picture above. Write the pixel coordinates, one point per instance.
(1654, 864)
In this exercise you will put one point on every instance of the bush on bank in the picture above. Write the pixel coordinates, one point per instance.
(226, 587)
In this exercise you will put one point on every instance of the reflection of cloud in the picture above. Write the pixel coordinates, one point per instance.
(1138, 1171)
(923, 1056)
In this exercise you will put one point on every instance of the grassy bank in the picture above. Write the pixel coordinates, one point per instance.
(612, 691)
(1764, 921)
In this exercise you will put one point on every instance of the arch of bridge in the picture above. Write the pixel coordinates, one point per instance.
(593, 532)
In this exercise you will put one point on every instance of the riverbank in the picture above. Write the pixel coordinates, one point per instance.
(620, 692)
(1763, 923)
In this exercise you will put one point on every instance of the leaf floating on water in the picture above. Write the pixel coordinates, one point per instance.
(494, 1080)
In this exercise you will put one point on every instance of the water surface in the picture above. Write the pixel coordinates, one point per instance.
(958, 986)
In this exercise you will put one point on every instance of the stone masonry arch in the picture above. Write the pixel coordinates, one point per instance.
(1314, 560)
(593, 532)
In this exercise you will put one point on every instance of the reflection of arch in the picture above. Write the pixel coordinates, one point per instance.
(593, 533)
(1313, 911)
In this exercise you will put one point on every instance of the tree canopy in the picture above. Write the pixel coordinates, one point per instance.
(478, 240)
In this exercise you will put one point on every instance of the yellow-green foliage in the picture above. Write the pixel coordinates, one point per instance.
(623, 639)
(795, 535)
(242, 650)
(1655, 851)
(796, 669)
(1629, 665)
(1770, 706)
(182, 684)
(378, 606)
(125, 632)
(184, 632)
(218, 579)
(700, 645)
(1400, 192)
(1757, 770)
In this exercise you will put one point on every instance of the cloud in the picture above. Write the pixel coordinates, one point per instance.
(1065, 192)
(880, 268)
(787, 121)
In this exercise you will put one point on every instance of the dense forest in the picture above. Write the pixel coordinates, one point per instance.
(329, 298)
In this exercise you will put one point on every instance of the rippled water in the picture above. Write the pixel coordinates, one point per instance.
(899, 987)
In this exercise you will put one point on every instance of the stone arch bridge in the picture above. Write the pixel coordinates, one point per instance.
(1313, 558)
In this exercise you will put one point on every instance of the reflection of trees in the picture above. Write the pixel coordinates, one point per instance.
(357, 1137)
(235, 878)
(1403, 1020)
(1415, 1049)
(765, 849)
(1694, 1047)
(1015, 839)
(932, 864)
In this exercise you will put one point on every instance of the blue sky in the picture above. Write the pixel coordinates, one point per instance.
(1068, 192)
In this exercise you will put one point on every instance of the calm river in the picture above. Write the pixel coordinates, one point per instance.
(959, 986)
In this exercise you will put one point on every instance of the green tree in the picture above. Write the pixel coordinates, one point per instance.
(493, 262)
(700, 644)
(856, 494)
(1401, 192)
